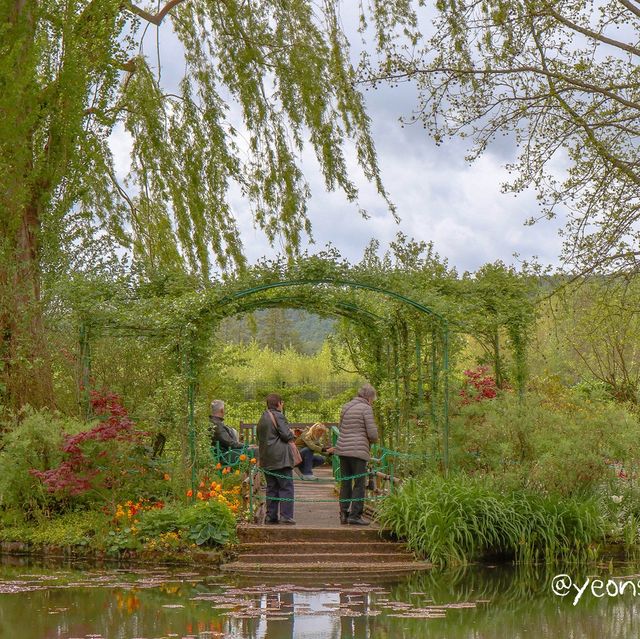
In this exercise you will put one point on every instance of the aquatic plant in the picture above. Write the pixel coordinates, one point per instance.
(454, 520)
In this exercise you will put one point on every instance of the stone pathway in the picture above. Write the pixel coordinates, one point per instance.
(318, 545)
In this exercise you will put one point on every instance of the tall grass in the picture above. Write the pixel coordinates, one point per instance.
(455, 520)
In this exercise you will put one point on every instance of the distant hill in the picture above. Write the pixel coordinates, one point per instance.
(278, 329)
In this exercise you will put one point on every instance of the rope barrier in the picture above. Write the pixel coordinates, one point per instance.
(271, 473)
(324, 501)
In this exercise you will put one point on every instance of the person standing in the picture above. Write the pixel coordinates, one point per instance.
(358, 431)
(277, 460)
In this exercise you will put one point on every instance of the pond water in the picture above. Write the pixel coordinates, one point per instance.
(75, 601)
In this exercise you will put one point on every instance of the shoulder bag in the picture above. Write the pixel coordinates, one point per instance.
(297, 457)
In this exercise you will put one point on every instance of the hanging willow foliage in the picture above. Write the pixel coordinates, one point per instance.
(261, 79)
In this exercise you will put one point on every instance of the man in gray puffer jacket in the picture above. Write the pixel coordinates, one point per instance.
(358, 431)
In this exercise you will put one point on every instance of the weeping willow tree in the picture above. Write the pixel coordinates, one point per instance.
(261, 79)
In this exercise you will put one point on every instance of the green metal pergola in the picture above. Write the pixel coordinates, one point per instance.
(215, 309)
(356, 313)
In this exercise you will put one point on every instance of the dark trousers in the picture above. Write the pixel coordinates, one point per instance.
(279, 486)
(309, 461)
(352, 488)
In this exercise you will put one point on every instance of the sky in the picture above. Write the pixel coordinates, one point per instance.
(440, 197)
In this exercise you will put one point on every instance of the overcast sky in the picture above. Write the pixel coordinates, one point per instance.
(439, 197)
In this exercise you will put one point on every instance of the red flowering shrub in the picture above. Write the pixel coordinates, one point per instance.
(99, 458)
(478, 385)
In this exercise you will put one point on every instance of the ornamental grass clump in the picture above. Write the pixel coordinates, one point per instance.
(458, 519)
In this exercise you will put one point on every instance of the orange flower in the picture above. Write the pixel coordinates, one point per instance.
(218, 466)
(199, 495)
(243, 457)
(253, 460)
(189, 493)
(166, 477)
(201, 485)
(212, 493)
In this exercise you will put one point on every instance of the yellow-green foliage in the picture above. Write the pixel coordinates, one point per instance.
(557, 444)
(84, 528)
(32, 441)
(265, 365)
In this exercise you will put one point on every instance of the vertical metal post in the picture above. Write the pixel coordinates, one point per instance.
(251, 475)
(434, 379)
(396, 386)
(85, 371)
(421, 411)
(446, 396)
(497, 368)
(191, 392)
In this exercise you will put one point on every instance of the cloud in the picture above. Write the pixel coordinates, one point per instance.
(439, 196)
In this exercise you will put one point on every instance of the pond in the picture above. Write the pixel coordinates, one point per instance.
(75, 601)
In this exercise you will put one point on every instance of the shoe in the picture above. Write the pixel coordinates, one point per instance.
(310, 478)
(270, 522)
(344, 517)
(287, 520)
(358, 521)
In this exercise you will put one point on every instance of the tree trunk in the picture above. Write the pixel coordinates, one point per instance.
(25, 359)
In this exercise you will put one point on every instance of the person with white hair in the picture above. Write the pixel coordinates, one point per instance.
(221, 434)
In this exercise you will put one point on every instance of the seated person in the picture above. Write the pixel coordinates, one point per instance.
(221, 434)
(310, 443)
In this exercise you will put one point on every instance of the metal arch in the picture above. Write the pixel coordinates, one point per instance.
(376, 289)
(334, 282)
(349, 311)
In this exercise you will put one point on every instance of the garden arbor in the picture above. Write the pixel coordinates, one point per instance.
(406, 332)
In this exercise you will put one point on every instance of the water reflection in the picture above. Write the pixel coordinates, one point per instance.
(39, 601)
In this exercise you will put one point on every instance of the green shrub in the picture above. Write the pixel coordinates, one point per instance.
(454, 520)
(32, 441)
(556, 445)
(86, 528)
(205, 523)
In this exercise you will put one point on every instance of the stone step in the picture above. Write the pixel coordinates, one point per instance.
(315, 547)
(327, 558)
(282, 533)
(327, 570)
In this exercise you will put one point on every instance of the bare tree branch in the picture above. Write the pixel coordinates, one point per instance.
(154, 18)
(592, 34)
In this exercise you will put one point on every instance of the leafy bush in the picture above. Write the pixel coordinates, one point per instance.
(204, 523)
(32, 440)
(454, 520)
(105, 461)
(561, 445)
(86, 528)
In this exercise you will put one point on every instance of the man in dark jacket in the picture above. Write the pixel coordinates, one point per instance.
(221, 434)
(276, 459)
(358, 431)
